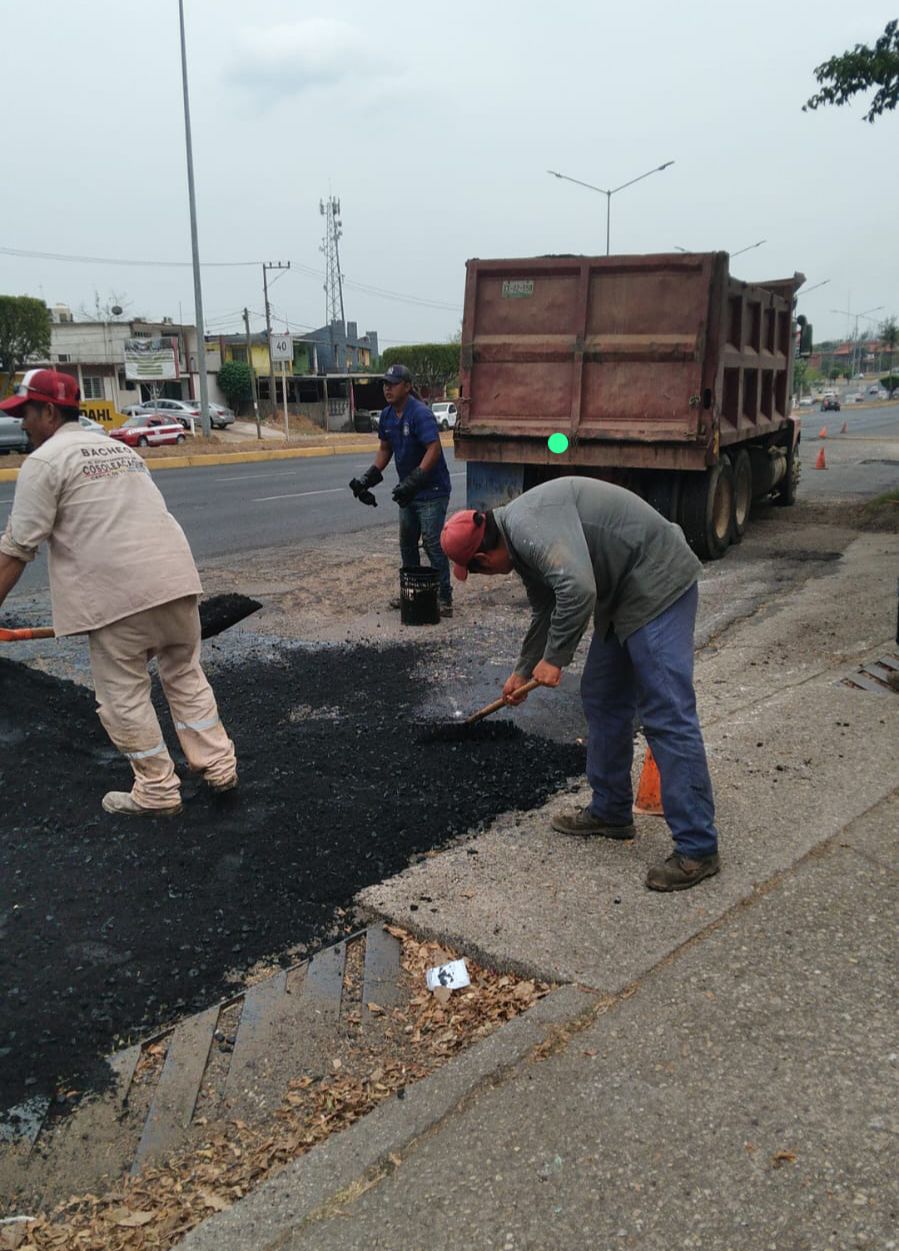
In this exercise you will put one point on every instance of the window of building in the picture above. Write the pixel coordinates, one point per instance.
(62, 358)
(92, 388)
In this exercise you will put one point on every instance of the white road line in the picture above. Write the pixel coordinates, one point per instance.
(248, 477)
(297, 495)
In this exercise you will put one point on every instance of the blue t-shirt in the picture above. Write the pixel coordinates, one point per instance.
(409, 437)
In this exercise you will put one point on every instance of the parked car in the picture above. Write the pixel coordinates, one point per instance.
(175, 410)
(184, 410)
(220, 416)
(445, 413)
(858, 398)
(149, 430)
(830, 404)
(87, 424)
(12, 437)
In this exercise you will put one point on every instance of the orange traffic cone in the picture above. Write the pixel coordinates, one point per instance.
(822, 433)
(821, 463)
(844, 429)
(649, 791)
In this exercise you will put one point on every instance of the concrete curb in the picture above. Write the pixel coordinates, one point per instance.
(269, 1214)
(233, 458)
(189, 461)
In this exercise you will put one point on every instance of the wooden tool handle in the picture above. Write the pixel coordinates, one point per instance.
(23, 635)
(500, 703)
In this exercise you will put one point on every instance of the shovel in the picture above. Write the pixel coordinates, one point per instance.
(217, 613)
(456, 731)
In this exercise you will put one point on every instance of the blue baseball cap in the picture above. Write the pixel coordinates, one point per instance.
(397, 373)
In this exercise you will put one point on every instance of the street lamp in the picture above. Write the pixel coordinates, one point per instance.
(609, 193)
(740, 252)
(806, 290)
(846, 312)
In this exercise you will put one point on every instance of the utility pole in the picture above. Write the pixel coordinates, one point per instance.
(266, 266)
(195, 249)
(246, 322)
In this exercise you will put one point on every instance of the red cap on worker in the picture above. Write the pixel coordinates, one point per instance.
(461, 539)
(44, 386)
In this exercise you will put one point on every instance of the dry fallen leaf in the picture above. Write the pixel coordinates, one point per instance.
(375, 1009)
(524, 990)
(783, 1157)
(131, 1220)
(443, 994)
(216, 1202)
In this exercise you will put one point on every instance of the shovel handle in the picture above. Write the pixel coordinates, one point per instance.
(23, 635)
(500, 703)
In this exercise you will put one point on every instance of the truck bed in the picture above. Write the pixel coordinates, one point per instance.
(642, 361)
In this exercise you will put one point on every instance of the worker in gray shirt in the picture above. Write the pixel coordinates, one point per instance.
(590, 550)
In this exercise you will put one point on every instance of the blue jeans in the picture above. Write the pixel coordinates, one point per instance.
(651, 675)
(424, 519)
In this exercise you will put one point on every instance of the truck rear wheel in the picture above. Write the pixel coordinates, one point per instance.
(662, 491)
(707, 510)
(742, 492)
(786, 491)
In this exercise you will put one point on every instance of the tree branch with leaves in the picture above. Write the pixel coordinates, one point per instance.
(843, 77)
(24, 333)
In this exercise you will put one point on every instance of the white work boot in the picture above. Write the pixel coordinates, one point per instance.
(122, 803)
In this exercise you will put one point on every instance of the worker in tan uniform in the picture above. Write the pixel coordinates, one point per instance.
(121, 572)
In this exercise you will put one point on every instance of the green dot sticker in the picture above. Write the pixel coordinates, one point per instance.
(558, 443)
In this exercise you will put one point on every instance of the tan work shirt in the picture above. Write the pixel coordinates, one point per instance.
(114, 548)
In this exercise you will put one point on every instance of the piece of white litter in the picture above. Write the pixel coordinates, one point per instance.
(452, 976)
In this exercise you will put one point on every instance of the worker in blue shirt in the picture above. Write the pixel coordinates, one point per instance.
(408, 432)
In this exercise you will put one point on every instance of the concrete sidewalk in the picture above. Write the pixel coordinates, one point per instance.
(720, 1073)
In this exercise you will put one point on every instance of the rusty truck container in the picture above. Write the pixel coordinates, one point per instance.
(665, 373)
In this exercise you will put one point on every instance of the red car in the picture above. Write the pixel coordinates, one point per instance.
(147, 430)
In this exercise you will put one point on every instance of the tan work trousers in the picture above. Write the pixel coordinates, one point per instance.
(120, 653)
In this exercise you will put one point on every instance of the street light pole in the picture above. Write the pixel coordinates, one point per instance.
(195, 249)
(856, 353)
(608, 193)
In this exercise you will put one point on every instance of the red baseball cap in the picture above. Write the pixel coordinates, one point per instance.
(461, 539)
(44, 386)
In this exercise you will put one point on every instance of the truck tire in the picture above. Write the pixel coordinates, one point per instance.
(707, 510)
(786, 491)
(742, 492)
(662, 491)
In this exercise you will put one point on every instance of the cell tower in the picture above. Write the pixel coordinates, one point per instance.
(330, 211)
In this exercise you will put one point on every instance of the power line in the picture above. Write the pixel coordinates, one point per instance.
(368, 288)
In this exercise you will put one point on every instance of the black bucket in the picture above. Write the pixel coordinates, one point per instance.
(418, 596)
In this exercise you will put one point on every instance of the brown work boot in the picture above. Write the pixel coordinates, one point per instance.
(585, 823)
(227, 784)
(680, 872)
(122, 803)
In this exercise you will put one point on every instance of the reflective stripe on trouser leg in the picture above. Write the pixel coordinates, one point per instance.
(203, 738)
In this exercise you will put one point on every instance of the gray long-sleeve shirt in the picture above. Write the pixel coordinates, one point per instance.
(586, 549)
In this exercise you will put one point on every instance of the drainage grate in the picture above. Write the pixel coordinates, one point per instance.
(235, 1059)
(881, 677)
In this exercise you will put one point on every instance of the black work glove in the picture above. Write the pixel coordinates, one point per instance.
(360, 486)
(405, 492)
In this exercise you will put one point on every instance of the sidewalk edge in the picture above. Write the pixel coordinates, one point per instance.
(360, 1153)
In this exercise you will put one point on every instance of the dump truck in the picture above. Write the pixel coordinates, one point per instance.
(664, 373)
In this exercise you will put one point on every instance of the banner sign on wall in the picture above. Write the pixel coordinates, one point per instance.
(151, 360)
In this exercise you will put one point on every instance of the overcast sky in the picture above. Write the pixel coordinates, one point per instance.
(435, 126)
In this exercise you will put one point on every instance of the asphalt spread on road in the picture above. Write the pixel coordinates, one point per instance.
(111, 926)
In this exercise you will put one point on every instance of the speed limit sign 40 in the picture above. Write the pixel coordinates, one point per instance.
(281, 347)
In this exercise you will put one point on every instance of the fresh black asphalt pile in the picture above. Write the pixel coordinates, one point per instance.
(110, 926)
